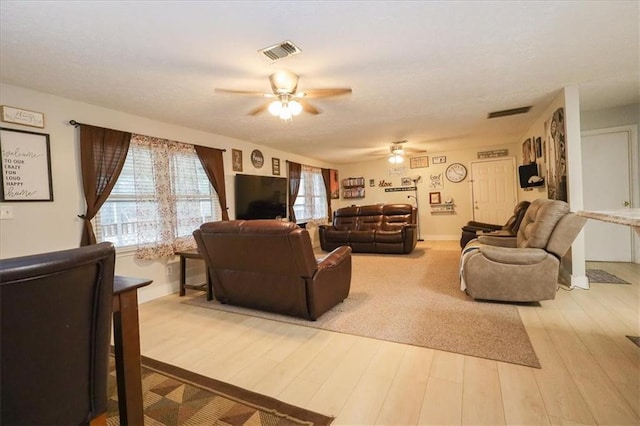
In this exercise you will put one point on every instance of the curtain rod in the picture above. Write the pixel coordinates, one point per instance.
(76, 124)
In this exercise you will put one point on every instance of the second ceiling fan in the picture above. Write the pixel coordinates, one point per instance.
(286, 101)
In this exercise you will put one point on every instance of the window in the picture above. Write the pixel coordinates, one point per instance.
(161, 196)
(312, 196)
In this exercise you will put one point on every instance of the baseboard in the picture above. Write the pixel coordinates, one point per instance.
(156, 290)
(441, 237)
(580, 282)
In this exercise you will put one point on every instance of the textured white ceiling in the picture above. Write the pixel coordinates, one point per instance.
(428, 72)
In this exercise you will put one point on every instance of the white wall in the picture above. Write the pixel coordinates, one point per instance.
(48, 226)
(436, 226)
(610, 117)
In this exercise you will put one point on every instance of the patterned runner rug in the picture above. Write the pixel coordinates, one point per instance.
(173, 396)
(603, 277)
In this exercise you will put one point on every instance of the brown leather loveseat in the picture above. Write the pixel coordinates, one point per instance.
(380, 228)
(270, 265)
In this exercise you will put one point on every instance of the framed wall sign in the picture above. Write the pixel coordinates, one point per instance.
(26, 166)
(440, 159)
(25, 117)
(275, 166)
(419, 162)
(434, 198)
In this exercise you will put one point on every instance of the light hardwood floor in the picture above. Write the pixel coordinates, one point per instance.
(590, 371)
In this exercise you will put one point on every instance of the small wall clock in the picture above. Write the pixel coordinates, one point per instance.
(456, 172)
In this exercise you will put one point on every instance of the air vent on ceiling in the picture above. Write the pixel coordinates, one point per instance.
(506, 112)
(281, 50)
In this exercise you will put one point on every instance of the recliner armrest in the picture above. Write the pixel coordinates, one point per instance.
(482, 225)
(510, 242)
(498, 233)
(514, 256)
(335, 258)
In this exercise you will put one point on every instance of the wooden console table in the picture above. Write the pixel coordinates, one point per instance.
(126, 336)
(192, 254)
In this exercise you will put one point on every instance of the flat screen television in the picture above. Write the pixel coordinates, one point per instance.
(260, 197)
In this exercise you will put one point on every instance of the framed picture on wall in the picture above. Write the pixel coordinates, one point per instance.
(334, 186)
(434, 198)
(236, 160)
(275, 166)
(538, 146)
(26, 166)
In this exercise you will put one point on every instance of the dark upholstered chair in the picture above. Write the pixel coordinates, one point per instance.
(510, 228)
(55, 324)
(270, 265)
(524, 268)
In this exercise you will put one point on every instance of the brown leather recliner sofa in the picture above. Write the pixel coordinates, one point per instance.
(380, 228)
(472, 229)
(270, 265)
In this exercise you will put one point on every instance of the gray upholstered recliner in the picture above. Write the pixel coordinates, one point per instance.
(524, 268)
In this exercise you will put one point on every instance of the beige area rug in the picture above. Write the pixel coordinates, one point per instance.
(416, 299)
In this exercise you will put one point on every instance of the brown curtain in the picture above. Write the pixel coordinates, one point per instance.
(213, 164)
(295, 171)
(102, 155)
(326, 177)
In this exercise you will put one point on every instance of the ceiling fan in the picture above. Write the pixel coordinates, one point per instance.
(397, 151)
(286, 101)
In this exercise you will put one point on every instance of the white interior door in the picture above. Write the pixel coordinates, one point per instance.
(606, 171)
(493, 190)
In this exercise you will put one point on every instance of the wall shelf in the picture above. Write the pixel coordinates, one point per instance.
(353, 187)
(443, 208)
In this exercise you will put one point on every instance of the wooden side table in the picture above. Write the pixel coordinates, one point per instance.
(192, 254)
(126, 338)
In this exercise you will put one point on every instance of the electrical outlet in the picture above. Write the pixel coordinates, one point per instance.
(6, 212)
(169, 270)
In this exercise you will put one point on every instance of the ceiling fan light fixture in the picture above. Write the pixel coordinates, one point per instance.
(295, 107)
(284, 82)
(275, 108)
(397, 150)
(396, 159)
(285, 113)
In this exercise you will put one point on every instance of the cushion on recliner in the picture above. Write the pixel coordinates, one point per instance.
(334, 236)
(361, 237)
(389, 236)
(369, 223)
(539, 222)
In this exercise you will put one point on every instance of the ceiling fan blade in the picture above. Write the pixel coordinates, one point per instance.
(325, 93)
(307, 107)
(259, 109)
(242, 92)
